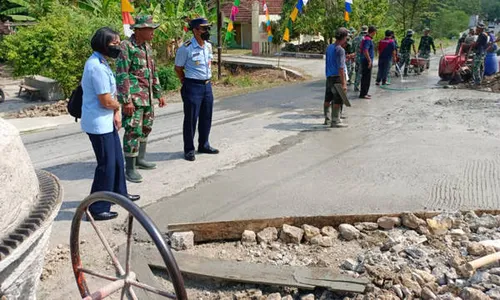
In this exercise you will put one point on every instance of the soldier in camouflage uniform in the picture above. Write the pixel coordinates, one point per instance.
(479, 54)
(137, 85)
(406, 45)
(350, 55)
(356, 44)
(424, 48)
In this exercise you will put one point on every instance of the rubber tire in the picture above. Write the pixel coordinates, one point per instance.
(2, 96)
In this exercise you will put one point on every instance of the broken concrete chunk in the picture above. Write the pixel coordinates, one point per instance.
(349, 264)
(287, 297)
(291, 234)
(366, 226)
(473, 294)
(476, 249)
(307, 297)
(348, 232)
(274, 296)
(267, 235)
(182, 240)
(310, 232)
(411, 221)
(486, 221)
(329, 231)
(248, 237)
(388, 222)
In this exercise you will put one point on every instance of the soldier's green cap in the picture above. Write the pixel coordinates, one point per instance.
(364, 28)
(427, 29)
(409, 32)
(144, 21)
(481, 25)
(352, 30)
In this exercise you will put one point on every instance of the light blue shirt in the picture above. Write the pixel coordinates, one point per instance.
(196, 60)
(97, 79)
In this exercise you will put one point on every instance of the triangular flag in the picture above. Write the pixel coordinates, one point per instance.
(300, 5)
(346, 16)
(305, 2)
(237, 2)
(230, 27)
(286, 36)
(294, 14)
(126, 6)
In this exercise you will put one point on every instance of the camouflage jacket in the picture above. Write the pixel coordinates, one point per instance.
(356, 44)
(426, 42)
(136, 76)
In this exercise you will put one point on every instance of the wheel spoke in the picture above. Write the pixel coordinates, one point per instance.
(132, 293)
(152, 289)
(129, 245)
(118, 267)
(107, 290)
(96, 274)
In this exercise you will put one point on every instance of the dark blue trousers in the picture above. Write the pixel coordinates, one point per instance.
(110, 171)
(384, 66)
(198, 104)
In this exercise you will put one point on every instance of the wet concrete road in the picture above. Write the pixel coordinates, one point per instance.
(426, 148)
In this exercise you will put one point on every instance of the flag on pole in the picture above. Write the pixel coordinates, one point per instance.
(299, 8)
(268, 23)
(127, 18)
(230, 27)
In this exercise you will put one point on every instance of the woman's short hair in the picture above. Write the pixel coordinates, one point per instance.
(101, 39)
(341, 33)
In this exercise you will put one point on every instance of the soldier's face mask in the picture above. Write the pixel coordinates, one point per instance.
(205, 33)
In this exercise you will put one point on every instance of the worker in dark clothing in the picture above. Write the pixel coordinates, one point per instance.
(368, 54)
(460, 42)
(406, 45)
(386, 54)
(426, 43)
(479, 54)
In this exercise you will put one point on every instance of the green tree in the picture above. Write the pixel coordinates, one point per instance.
(56, 47)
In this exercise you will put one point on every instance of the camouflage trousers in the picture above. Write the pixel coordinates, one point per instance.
(137, 128)
(405, 60)
(350, 70)
(478, 68)
(357, 69)
(425, 55)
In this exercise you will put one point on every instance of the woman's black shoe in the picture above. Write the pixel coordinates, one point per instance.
(133, 197)
(104, 216)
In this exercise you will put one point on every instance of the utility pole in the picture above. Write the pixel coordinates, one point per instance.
(219, 41)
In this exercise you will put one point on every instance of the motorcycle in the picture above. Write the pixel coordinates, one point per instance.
(2, 96)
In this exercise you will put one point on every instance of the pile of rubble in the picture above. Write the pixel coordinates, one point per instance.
(403, 257)
(47, 110)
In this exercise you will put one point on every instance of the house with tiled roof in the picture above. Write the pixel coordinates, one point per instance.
(243, 22)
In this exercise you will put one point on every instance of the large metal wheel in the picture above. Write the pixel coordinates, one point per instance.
(125, 281)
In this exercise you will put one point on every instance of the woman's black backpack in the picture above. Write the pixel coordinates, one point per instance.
(75, 103)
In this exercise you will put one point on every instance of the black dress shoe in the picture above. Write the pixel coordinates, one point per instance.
(189, 156)
(133, 197)
(208, 150)
(104, 216)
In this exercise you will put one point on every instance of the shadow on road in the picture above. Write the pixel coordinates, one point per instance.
(298, 126)
(66, 212)
(165, 156)
(73, 171)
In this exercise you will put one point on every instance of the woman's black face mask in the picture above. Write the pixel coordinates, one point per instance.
(114, 51)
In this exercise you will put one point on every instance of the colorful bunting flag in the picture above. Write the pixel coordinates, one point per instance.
(299, 8)
(234, 11)
(268, 23)
(127, 18)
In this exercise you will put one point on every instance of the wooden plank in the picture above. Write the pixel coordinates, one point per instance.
(139, 265)
(243, 272)
(232, 230)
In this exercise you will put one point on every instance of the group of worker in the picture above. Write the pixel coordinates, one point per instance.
(350, 58)
(128, 97)
(476, 43)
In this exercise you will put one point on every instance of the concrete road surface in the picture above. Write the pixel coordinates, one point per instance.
(421, 148)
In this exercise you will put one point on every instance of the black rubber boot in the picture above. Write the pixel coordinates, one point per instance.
(326, 112)
(141, 163)
(131, 173)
